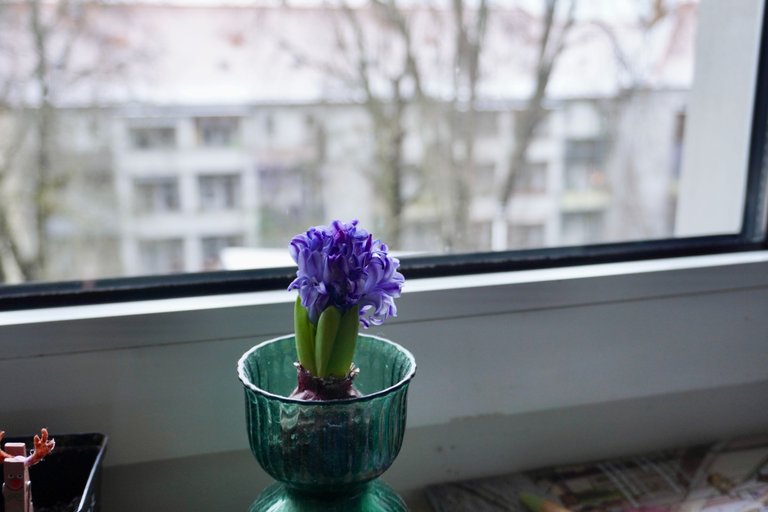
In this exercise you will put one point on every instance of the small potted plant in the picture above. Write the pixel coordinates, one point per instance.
(326, 406)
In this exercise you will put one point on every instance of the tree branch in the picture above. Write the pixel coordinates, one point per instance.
(533, 113)
(363, 69)
(396, 18)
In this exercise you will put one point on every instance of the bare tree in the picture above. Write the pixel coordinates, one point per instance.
(386, 110)
(469, 31)
(397, 86)
(551, 45)
(45, 38)
(448, 155)
(393, 88)
(616, 112)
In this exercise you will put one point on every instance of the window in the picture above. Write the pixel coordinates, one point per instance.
(586, 225)
(584, 162)
(532, 178)
(632, 137)
(526, 236)
(212, 247)
(162, 256)
(156, 195)
(152, 138)
(217, 131)
(484, 180)
(269, 125)
(288, 201)
(219, 192)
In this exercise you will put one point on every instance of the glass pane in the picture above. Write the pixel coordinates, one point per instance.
(156, 195)
(153, 137)
(217, 131)
(219, 192)
(162, 256)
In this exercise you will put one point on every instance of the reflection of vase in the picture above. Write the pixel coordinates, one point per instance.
(326, 455)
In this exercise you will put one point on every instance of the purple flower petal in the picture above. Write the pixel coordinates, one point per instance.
(342, 265)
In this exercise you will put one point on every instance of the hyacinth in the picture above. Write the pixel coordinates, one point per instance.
(342, 265)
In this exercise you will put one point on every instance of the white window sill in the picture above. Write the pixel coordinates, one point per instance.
(36, 332)
(436, 284)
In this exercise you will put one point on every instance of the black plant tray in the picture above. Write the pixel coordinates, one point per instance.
(69, 479)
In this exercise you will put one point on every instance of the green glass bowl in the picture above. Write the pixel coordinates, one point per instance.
(323, 450)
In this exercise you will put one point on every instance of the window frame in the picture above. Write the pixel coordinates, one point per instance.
(752, 237)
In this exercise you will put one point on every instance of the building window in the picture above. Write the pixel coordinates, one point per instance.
(157, 195)
(152, 138)
(584, 177)
(484, 180)
(288, 201)
(526, 236)
(585, 150)
(532, 178)
(584, 164)
(217, 132)
(584, 227)
(211, 247)
(219, 192)
(269, 125)
(282, 187)
(161, 256)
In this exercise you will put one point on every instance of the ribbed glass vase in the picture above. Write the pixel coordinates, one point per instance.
(326, 455)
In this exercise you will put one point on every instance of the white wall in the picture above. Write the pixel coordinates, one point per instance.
(719, 120)
(515, 370)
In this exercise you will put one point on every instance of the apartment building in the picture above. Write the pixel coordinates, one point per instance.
(249, 146)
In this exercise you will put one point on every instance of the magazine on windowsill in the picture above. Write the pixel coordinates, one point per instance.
(730, 476)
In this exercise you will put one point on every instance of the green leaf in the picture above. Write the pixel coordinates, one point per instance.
(346, 340)
(325, 338)
(305, 337)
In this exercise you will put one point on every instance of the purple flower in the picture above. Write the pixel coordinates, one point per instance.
(342, 265)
